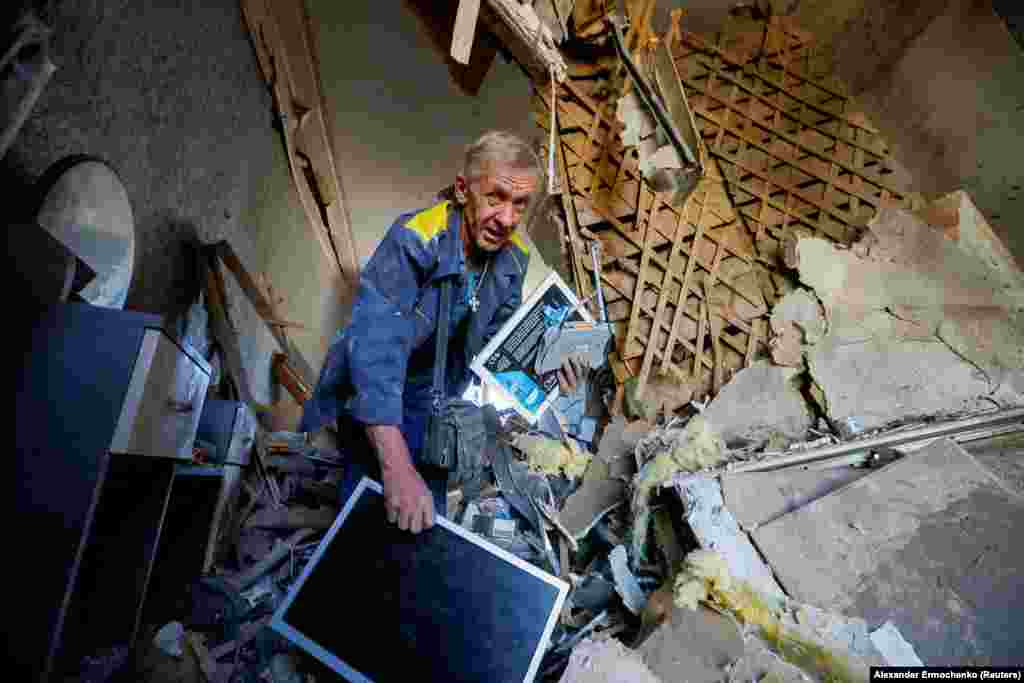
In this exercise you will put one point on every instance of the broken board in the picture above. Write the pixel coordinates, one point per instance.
(376, 602)
(928, 542)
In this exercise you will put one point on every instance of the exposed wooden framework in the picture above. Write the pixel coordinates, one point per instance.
(287, 57)
(688, 288)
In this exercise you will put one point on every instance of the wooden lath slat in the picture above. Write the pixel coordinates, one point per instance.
(788, 153)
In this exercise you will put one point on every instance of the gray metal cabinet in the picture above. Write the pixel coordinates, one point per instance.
(105, 405)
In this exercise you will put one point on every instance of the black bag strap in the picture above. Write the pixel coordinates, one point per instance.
(444, 315)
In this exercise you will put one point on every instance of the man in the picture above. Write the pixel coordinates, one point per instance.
(378, 377)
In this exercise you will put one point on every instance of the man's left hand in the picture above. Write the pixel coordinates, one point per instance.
(569, 375)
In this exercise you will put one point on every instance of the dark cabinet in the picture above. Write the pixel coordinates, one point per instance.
(106, 405)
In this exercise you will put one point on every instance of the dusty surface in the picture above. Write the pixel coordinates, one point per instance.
(927, 542)
(716, 529)
(693, 646)
(756, 498)
(760, 401)
(1004, 455)
(606, 661)
(797, 319)
(925, 316)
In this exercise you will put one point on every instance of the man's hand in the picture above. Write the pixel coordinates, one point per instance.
(407, 499)
(569, 375)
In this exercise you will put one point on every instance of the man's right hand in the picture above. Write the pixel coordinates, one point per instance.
(407, 498)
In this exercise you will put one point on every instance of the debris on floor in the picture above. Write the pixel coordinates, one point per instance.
(692, 448)
(907, 543)
(759, 403)
(716, 529)
(552, 457)
(606, 661)
(735, 341)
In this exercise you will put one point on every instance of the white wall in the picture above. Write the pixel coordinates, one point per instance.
(400, 128)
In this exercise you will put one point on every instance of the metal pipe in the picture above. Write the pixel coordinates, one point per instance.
(649, 98)
(891, 439)
(594, 255)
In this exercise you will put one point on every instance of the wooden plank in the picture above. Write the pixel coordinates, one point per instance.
(545, 10)
(465, 30)
(659, 311)
(221, 328)
(698, 356)
(572, 224)
(265, 307)
(287, 55)
(287, 376)
(755, 335)
(436, 22)
(634, 315)
(526, 37)
(684, 291)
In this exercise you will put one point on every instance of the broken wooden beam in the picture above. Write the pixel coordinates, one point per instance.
(286, 51)
(526, 37)
(288, 377)
(465, 29)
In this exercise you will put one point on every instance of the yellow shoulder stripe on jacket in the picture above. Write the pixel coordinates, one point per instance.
(520, 242)
(431, 222)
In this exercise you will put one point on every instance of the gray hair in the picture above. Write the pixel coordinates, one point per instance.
(501, 147)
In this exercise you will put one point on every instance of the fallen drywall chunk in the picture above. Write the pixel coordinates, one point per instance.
(694, 448)
(716, 530)
(637, 121)
(796, 320)
(553, 457)
(933, 297)
(888, 640)
(880, 371)
(705, 579)
(597, 495)
(662, 395)
(606, 661)
(696, 646)
(760, 401)
(625, 583)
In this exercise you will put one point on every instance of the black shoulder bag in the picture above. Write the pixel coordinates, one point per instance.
(458, 430)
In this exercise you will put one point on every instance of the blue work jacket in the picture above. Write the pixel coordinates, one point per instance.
(379, 369)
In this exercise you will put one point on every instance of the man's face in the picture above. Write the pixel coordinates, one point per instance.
(494, 204)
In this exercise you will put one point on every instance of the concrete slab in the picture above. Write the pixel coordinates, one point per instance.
(693, 646)
(760, 401)
(927, 542)
(756, 498)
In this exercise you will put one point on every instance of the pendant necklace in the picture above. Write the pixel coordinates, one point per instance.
(474, 300)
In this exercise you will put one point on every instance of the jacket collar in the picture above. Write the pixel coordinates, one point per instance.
(510, 262)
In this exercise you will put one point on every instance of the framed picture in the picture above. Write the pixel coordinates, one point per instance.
(508, 362)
